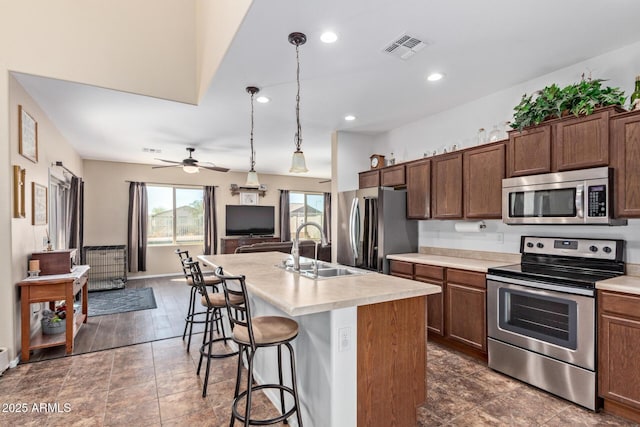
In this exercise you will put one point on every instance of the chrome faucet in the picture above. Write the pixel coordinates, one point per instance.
(295, 247)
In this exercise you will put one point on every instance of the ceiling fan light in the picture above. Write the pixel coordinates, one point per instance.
(190, 169)
(252, 179)
(298, 164)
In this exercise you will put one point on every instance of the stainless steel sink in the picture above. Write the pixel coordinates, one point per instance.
(326, 270)
(331, 272)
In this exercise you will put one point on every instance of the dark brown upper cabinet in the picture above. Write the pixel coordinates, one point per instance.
(446, 186)
(529, 151)
(484, 169)
(625, 137)
(369, 179)
(392, 176)
(418, 178)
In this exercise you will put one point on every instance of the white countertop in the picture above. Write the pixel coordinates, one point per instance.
(298, 295)
(471, 264)
(627, 284)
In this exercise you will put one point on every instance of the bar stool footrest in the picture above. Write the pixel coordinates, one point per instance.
(269, 421)
(205, 345)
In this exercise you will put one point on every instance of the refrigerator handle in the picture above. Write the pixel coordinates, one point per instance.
(353, 223)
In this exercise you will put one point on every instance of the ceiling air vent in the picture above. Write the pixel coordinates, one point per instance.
(404, 47)
(152, 150)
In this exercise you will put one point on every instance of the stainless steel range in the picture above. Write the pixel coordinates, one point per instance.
(541, 314)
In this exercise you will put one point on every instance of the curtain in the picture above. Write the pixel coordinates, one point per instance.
(285, 220)
(75, 214)
(210, 223)
(326, 223)
(137, 229)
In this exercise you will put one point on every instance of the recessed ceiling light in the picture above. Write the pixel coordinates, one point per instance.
(329, 37)
(434, 77)
(263, 99)
(350, 118)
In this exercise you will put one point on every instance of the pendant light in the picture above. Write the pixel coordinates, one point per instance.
(298, 164)
(252, 176)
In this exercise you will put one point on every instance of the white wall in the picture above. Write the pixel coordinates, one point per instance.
(352, 154)
(460, 125)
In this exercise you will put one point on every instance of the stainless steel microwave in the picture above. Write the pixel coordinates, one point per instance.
(573, 197)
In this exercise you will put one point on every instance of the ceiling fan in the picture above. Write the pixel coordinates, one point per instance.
(191, 165)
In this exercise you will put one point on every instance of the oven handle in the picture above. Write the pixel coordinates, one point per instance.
(541, 285)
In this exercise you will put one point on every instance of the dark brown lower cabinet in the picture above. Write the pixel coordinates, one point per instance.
(456, 316)
(619, 353)
(466, 308)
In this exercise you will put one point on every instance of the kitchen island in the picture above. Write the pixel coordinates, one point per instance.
(361, 349)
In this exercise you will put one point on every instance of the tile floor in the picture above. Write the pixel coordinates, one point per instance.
(154, 384)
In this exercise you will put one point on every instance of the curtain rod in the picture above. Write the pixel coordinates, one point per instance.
(304, 191)
(58, 163)
(168, 183)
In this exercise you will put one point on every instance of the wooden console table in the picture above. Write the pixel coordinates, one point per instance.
(228, 245)
(50, 289)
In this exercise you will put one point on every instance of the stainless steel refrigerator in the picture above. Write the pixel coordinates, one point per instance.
(372, 224)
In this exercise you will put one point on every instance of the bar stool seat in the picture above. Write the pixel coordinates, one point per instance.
(216, 300)
(209, 280)
(267, 330)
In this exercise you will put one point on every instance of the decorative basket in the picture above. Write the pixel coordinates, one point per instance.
(52, 328)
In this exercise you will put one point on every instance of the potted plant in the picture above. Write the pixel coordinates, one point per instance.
(552, 102)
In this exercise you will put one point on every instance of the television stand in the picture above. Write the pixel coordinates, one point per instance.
(228, 245)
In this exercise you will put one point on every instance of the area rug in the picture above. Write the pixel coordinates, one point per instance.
(121, 301)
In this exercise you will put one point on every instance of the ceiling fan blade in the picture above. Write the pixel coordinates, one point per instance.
(170, 161)
(214, 168)
(166, 166)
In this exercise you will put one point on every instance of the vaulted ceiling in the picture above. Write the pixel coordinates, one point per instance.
(481, 46)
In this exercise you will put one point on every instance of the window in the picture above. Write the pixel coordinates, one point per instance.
(176, 216)
(306, 207)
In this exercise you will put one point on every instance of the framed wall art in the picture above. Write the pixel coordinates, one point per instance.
(248, 198)
(28, 135)
(19, 175)
(39, 203)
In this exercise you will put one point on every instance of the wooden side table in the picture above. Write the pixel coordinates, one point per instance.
(50, 289)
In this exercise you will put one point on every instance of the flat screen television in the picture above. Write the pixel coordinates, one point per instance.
(248, 220)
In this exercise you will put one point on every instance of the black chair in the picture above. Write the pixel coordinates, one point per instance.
(193, 316)
(251, 334)
(214, 302)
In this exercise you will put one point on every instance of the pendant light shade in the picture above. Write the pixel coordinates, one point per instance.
(252, 175)
(298, 163)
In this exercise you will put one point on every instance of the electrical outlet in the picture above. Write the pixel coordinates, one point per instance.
(344, 339)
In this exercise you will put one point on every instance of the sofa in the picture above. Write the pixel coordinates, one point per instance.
(307, 248)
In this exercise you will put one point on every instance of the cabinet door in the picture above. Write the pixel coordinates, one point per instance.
(619, 359)
(466, 308)
(626, 143)
(529, 151)
(483, 173)
(582, 142)
(392, 176)
(447, 186)
(369, 179)
(433, 275)
(418, 177)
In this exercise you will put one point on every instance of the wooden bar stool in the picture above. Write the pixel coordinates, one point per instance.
(214, 303)
(251, 334)
(193, 316)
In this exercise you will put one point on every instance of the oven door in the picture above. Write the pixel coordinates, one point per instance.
(555, 324)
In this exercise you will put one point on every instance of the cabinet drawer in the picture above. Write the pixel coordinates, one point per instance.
(392, 176)
(432, 272)
(469, 278)
(369, 179)
(621, 304)
(401, 269)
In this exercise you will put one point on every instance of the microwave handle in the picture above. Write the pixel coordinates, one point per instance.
(580, 201)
